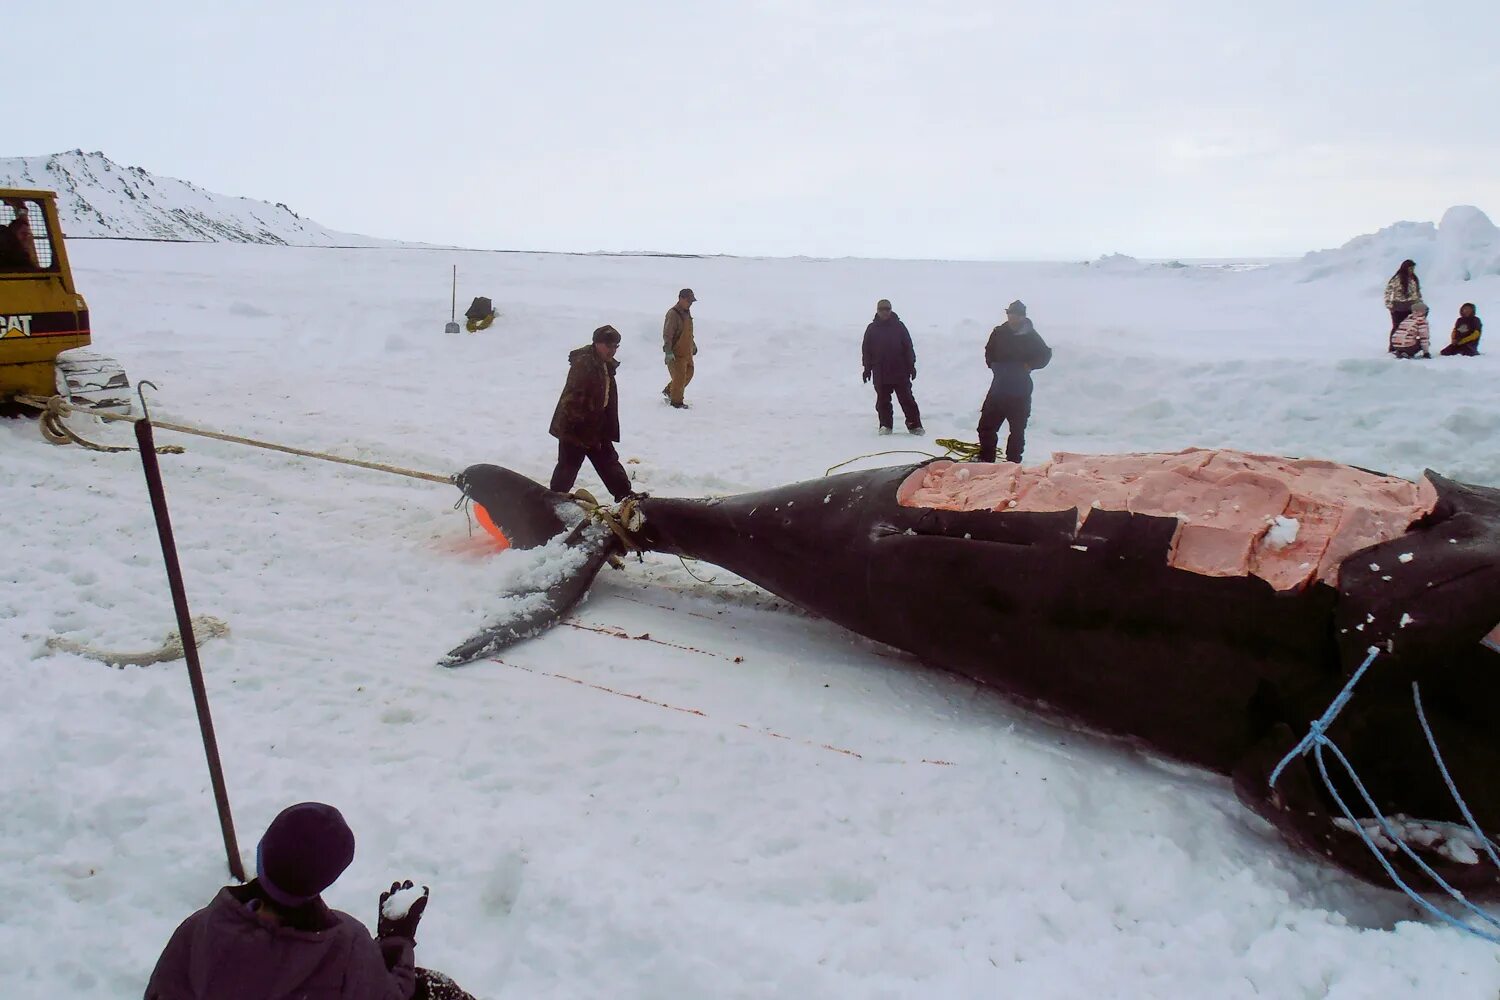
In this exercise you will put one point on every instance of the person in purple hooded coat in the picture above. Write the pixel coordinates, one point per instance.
(274, 937)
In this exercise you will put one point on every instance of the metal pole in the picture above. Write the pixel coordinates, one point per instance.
(147, 444)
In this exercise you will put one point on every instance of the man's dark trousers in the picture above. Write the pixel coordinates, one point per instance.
(606, 462)
(909, 410)
(1015, 410)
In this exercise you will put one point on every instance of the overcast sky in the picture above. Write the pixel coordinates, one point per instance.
(886, 128)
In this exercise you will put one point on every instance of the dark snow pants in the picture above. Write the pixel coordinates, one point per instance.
(603, 457)
(997, 410)
(909, 410)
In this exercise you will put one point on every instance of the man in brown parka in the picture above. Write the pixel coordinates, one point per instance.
(678, 347)
(586, 422)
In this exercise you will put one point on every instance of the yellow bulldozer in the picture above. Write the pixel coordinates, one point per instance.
(43, 320)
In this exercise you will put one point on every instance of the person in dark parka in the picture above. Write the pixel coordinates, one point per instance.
(586, 422)
(1466, 332)
(891, 361)
(275, 937)
(1013, 352)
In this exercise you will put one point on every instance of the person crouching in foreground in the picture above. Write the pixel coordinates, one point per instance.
(275, 937)
(1412, 337)
(890, 358)
(1466, 331)
(586, 422)
(1013, 352)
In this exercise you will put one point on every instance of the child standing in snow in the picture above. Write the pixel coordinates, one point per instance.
(1411, 338)
(1466, 332)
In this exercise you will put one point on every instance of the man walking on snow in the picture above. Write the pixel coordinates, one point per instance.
(892, 361)
(587, 420)
(1013, 352)
(678, 347)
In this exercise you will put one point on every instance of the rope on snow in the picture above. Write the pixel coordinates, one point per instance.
(205, 627)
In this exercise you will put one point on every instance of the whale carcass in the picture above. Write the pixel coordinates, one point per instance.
(1204, 604)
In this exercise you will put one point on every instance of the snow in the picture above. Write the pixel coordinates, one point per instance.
(606, 814)
(1463, 246)
(1282, 532)
(400, 902)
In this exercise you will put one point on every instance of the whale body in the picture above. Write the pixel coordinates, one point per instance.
(1080, 613)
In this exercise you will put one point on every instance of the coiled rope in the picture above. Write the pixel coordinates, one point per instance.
(56, 432)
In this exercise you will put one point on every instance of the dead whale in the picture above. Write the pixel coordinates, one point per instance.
(1205, 605)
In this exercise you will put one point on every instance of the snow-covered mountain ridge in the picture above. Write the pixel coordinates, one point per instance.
(97, 197)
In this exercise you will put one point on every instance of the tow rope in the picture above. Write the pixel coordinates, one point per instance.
(55, 408)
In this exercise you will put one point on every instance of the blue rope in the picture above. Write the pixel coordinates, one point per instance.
(1402, 846)
(1463, 807)
(1315, 732)
(1317, 739)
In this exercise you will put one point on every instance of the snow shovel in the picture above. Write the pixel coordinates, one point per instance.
(452, 325)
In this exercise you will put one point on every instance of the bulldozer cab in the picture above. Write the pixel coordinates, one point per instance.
(42, 316)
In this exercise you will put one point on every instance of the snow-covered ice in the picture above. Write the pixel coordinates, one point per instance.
(696, 792)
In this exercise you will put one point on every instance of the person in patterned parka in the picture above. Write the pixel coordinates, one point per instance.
(1401, 293)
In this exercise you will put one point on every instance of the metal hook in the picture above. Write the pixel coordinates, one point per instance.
(139, 385)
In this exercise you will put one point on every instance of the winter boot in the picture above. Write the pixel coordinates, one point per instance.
(884, 431)
(916, 431)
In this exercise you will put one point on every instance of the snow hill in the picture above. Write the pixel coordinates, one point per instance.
(98, 197)
(1464, 246)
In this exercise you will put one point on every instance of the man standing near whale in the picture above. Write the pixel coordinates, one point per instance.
(891, 361)
(678, 347)
(586, 422)
(1013, 352)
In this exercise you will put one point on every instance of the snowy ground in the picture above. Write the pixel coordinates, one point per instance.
(830, 819)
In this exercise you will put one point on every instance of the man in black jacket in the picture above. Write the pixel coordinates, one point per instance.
(586, 422)
(1013, 352)
(892, 361)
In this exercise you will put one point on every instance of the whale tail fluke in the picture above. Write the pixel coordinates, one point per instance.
(522, 514)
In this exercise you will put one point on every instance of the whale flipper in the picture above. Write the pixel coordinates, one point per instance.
(527, 516)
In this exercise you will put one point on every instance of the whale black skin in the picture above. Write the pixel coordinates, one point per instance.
(1091, 624)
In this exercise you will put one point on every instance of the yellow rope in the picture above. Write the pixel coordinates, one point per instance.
(955, 449)
(617, 521)
(48, 406)
(963, 451)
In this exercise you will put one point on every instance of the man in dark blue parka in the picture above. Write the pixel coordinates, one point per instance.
(1013, 352)
(891, 361)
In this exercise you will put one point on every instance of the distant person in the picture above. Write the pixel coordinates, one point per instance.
(586, 422)
(275, 937)
(17, 243)
(1013, 352)
(1412, 337)
(891, 361)
(1401, 292)
(678, 347)
(1466, 330)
